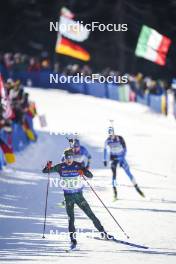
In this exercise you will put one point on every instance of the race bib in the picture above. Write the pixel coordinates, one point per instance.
(116, 148)
(71, 183)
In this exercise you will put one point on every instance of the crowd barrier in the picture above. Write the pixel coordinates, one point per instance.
(124, 93)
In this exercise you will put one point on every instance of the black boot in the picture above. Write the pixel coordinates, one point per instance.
(74, 242)
(139, 190)
(115, 193)
(73, 239)
(106, 236)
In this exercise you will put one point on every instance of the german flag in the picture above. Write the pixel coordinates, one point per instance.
(32, 110)
(29, 133)
(67, 47)
(8, 152)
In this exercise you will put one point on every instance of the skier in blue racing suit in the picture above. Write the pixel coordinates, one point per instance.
(81, 154)
(117, 152)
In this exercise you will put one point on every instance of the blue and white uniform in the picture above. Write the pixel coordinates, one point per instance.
(114, 148)
(82, 156)
(115, 151)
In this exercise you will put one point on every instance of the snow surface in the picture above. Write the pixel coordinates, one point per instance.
(149, 221)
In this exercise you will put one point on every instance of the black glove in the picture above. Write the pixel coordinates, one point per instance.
(49, 165)
(105, 163)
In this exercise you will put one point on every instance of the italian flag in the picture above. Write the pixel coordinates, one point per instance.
(152, 45)
(69, 48)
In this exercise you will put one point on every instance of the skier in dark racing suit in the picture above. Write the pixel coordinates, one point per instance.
(71, 173)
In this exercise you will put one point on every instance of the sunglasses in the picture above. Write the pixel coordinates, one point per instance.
(69, 157)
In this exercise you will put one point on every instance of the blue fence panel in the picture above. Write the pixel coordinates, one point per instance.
(2, 159)
(52, 80)
(142, 99)
(76, 87)
(155, 103)
(24, 76)
(30, 123)
(96, 89)
(4, 135)
(19, 138)
(44, 80)
(112, 91)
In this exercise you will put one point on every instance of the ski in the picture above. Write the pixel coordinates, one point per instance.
(121, 242)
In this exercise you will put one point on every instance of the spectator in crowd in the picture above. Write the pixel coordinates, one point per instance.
(16, 114)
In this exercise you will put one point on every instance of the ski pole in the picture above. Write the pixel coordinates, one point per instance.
(105, 207)
(46, 203)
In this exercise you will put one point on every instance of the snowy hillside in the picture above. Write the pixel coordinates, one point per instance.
(151, 144)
